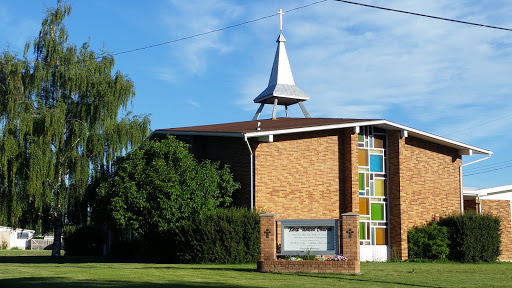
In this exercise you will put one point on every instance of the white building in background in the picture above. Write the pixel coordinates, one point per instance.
(15, 237)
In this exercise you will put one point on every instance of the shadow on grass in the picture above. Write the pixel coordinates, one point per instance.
(58, 260)
(357, 278)
(58, 282)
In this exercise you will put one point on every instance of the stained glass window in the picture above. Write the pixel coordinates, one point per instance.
(373, 192)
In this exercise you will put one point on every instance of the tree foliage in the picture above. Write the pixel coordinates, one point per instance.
(159, 184)
(59, 124)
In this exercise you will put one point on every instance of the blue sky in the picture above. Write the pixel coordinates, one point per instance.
(445, 78)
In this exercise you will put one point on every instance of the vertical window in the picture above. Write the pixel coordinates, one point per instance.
(372, 186)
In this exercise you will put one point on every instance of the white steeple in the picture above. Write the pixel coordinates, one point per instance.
(281, 88)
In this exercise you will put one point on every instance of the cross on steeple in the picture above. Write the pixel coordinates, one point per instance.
(281, 89)
(281, 19)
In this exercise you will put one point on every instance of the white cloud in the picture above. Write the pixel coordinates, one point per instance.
(193, 103)
(195, 17)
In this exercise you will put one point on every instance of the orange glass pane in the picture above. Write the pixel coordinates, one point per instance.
(363, 206)
(381, 236)
(363, 157)
(378, 143)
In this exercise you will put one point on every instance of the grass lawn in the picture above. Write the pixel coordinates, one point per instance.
(36, 269)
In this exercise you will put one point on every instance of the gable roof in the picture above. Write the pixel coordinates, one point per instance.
(248, 129)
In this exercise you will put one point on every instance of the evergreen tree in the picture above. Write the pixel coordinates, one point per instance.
(59, 125)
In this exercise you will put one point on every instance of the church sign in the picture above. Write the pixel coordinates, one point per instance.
(315, 237)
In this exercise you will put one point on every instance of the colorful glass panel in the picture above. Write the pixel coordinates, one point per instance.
(361, 181)
(380, 236)
(363, 206)
(363, 157)
(378, 141)
(380, 187)
(362, 231)
(376, 163)
(377, 211)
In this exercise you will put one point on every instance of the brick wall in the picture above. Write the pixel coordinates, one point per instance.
(297, 176)
(349, 171)
(501, 208)
(471, 205)
(428, 186)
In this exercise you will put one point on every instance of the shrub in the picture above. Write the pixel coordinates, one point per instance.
(220, 236)
(428, 242)
(473, 237)
(82, 241)
(3, 245)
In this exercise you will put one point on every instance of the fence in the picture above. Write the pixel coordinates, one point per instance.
(40, 244)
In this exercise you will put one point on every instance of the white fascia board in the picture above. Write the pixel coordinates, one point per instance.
(310, 129)
(193, 133)
(437, 139)
(492, 190)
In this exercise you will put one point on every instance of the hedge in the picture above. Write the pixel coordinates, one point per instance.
(473, 237)
(220, 236)
(428, 242)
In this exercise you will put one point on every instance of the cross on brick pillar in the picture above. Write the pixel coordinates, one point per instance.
(350, 232)
(268, 228)
(350, 245)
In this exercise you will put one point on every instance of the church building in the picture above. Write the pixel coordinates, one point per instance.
(394, 176)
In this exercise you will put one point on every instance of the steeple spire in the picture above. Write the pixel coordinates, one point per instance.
(281, 89)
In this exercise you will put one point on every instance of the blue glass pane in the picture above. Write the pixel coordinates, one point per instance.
(376, 163)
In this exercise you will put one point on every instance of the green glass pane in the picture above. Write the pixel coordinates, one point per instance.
(362, 230)
(360, 138)
(361, 181)
(377, 210)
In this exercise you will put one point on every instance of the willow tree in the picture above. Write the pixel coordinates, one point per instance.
(60, 125)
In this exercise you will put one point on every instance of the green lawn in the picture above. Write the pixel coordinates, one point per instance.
(37, 270)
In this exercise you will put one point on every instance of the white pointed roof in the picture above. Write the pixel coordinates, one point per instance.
(281, 84)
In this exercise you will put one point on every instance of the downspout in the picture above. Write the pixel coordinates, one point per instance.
(479, 204)
(252, 173)
(461, 185)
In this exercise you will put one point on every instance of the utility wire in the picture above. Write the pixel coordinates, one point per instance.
(487, 171)
(425, 15)
(213, 31)
(489, 166)
(301, 7)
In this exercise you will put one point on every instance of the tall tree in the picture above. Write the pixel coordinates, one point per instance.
(59, 125)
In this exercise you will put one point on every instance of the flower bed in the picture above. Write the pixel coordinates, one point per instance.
(313, 266)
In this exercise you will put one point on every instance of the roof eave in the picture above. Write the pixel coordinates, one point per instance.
(464, 149)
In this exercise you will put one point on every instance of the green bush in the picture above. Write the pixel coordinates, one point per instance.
(82, 241)
(428, 242)
(473, 237)
(220, 236)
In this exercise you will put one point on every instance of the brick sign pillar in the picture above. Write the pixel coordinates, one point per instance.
(268, 231)
(350, 238)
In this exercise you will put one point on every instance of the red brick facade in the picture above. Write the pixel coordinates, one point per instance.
(501, 208)
(424, 184)
(297, 176)
(314, 175)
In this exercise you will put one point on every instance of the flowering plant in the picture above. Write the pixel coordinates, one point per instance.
(337, 258)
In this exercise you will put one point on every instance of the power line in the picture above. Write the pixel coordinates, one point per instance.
(213, 31)
(302, 7)
(487, 171)
(425, 15)
(485, 167)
